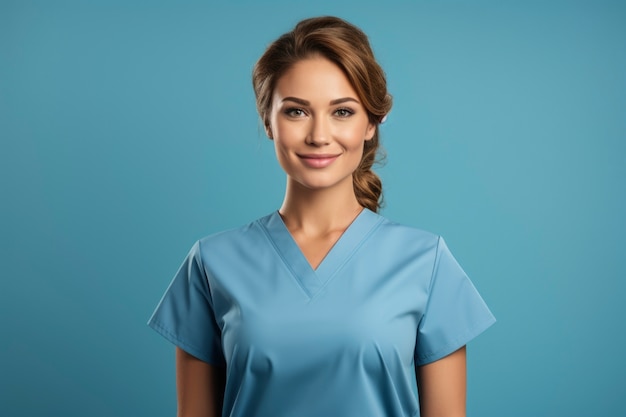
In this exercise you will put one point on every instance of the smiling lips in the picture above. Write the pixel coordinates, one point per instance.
(318, 160)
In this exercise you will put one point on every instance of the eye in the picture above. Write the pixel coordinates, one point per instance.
(344, 112)
(295, 112)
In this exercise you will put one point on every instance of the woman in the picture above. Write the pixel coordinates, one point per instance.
(322, 308)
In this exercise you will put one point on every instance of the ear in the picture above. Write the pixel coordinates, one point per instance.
(268, 131)
(369, 132)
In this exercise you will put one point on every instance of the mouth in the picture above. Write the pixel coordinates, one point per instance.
(318, 160)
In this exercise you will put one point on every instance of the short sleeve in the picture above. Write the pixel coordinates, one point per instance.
(455, 313)
(185, 314)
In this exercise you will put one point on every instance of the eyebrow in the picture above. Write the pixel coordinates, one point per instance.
(332, 102)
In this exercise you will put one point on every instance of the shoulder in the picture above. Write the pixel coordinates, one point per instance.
(245, 236)
(405, 235)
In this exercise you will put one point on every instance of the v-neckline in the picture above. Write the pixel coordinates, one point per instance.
(312, 280)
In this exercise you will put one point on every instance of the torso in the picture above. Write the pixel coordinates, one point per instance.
(343, 331)
(341, 339)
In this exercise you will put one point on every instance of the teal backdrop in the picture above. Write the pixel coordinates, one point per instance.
(128, 130)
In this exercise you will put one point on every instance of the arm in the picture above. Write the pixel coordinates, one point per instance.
(199, 386)
(442, 386)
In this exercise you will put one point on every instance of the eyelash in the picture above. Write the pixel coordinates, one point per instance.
(342, 112)
(346, 112)
(291, 110)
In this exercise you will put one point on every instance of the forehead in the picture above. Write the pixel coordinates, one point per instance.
(314, 79)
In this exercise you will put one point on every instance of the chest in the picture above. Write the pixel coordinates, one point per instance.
(284, 317)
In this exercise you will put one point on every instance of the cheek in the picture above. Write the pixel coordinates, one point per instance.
(281, 149)
(282, 155)
(353, 138)
(285, 144)
(289, 133)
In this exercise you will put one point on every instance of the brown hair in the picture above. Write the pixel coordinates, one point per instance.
(348, 47)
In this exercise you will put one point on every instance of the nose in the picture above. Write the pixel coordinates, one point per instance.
(319, 132)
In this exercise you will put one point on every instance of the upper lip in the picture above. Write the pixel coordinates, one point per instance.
(317, 155)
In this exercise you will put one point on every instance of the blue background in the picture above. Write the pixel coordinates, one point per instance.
(128, 130)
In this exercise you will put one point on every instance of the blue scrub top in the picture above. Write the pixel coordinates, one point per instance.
(339, 340)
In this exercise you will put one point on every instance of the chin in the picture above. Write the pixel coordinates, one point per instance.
(315, 184)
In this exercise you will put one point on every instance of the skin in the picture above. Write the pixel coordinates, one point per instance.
(199, 387)
(316, 112)
(442, 386)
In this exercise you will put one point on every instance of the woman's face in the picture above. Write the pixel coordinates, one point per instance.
(318, 124)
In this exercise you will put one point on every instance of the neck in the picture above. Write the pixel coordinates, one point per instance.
(319, 210)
